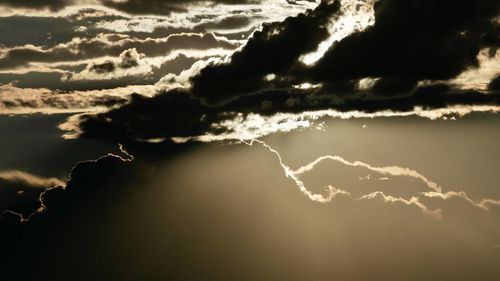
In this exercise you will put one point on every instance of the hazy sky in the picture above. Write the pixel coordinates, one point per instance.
(249, 140)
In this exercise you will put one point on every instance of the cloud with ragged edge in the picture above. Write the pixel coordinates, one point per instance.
(20, 191)
(109, 44)
(436, 191)
(280, 83)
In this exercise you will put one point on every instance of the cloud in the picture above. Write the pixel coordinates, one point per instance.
(333, 192)
(108, 72)
(403, 54)
(128, 59)
(484, 204)
(53, 5)
(390, 170)
(85, 198)
(279, 83)
(20, 191)
(263, 88)
(24, 178)
(15, 100)
(109, 45)
(416, 39)
(139, 209)
(200, 119)
(276, 46)
(141, 7)
(88, 61)
(254, 126)
(159, 7)
(104, 67)
(494, 85)
(230, 22)
(180, 115)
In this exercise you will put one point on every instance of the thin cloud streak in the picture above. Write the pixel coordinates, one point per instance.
(254, 126)
(332, 192)
(388, 170)
(30, 179)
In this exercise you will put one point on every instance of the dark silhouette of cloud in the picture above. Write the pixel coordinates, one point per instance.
(416, 39)
(241, 85)
(410, 41)
(178, 114)
(392, 86)
(131, 220)
(142, 7)
(53, 5)
(160, 7)
(128, 59)
(20, 191)
(277, 47)
(495, 84)
(96, 229)
(231, 22)
(104, 67)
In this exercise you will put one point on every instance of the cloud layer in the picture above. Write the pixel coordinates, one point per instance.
(392, 65)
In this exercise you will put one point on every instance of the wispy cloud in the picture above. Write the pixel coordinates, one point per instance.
(332, 192)
(29, 179)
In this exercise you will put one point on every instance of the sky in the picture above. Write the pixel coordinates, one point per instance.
(249, 140)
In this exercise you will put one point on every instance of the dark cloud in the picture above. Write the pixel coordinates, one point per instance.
(231, 22)
(32, 143)
(128, 59)
(104, 67)
(393, 86)
(142, 7)
(277, 47)
(410, 41)
(53, 5)
(495, 84)
(140, 221)
(20, 191)
(19, 199)
(112, 223)
(416, 39)
(85, 201)
(160, 7)
(180, 115)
